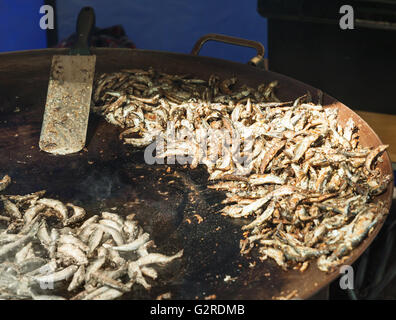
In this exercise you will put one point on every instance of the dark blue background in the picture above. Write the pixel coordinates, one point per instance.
(19, 25)
(168, 25)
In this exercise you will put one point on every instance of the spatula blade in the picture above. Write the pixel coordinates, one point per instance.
(68, 102)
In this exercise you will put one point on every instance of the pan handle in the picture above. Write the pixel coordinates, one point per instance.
(257, 61)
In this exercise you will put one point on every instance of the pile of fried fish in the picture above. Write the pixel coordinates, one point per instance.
(48, 247)
(302, 181)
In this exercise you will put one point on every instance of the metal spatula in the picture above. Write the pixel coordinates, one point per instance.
(66, 113)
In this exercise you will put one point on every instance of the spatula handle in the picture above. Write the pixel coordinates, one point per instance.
(85, 24)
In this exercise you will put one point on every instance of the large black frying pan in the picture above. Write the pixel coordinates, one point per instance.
(109, 174)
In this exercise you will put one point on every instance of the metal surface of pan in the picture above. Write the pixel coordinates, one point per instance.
(109, 174)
